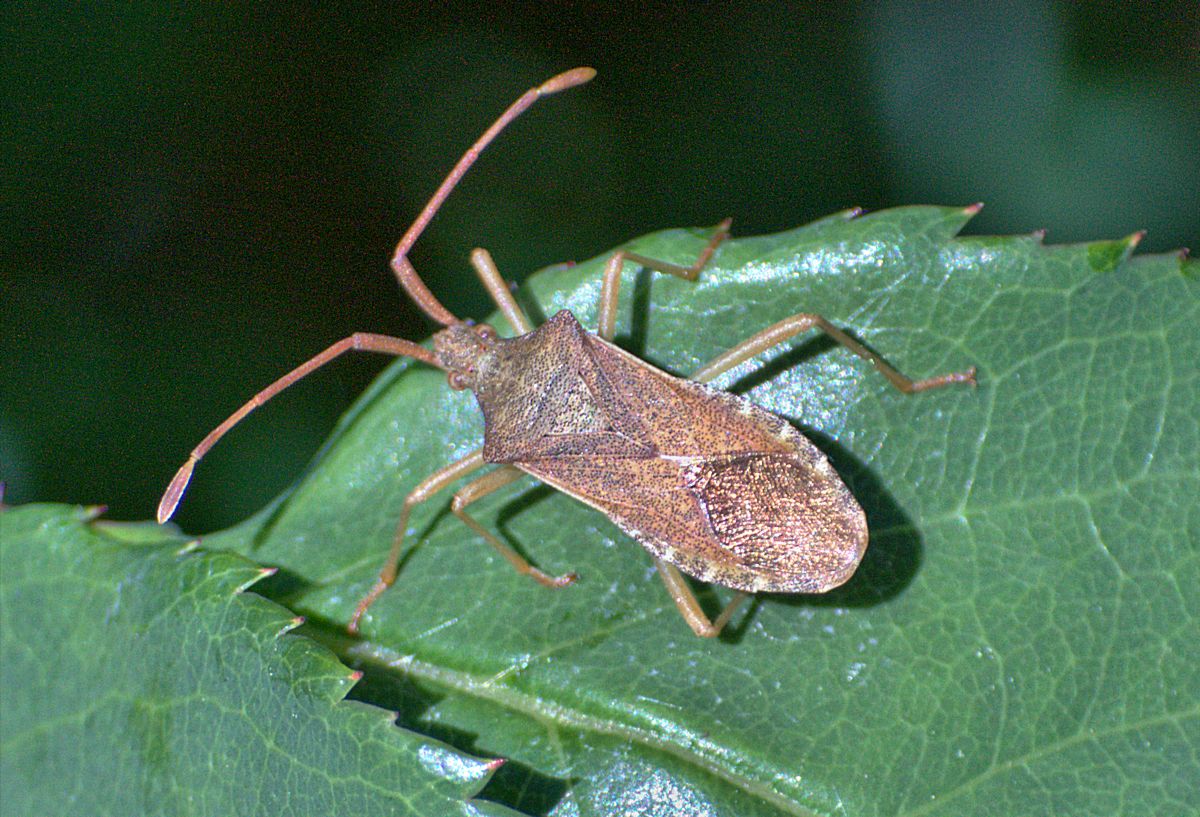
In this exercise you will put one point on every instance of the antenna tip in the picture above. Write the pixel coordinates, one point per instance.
(170, 498)
(567, 79)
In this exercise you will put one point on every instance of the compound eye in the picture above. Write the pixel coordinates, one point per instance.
(458, 381)
(486, 332)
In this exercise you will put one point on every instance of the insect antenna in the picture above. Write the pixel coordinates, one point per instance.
(366, 341)
(405, 273)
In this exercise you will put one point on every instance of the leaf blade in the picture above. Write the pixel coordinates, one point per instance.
(176, 692)
(1023, 603)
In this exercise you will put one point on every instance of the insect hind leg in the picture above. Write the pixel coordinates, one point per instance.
(788, 328)
(606, 312)
(689, 606)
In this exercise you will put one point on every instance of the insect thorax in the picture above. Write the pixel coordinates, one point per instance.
(533, 390)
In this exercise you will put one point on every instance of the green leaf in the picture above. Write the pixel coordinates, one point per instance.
(140, 679)
(1020, 637)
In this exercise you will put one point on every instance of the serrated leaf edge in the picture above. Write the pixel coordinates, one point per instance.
(317, 672)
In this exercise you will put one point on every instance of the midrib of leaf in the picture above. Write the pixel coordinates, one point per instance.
(703, 755)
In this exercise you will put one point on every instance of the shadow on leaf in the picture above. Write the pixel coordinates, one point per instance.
(515, 784)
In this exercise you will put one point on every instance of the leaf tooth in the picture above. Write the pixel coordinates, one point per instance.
(1106, 256)
(391, 717)
(1039, 236)
(90, 513)
(1132, 240)
(1187, 265)
(292, 623)
(834, 219)
(312, 666)
(1128, 244)
(944, 223)
(258, 575)
(470, 773)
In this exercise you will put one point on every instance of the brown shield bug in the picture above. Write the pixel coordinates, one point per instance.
(706, 481)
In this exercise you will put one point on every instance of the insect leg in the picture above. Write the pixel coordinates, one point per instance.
(606, 319)
(429, 486)
(497, 287)
(790, 327)
(689, 607)
(479, 488)
(359, 341)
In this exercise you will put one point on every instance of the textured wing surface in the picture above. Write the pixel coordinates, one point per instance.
(779, 522)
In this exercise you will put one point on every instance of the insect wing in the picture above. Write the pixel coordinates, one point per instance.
(731, 494)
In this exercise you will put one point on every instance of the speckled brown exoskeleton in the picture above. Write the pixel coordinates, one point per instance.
(709, 483)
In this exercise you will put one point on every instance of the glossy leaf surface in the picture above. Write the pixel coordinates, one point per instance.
(1018, 636)
(1019, 639)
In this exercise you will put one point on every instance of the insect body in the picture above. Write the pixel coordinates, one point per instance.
(703, 479)
(706, 481)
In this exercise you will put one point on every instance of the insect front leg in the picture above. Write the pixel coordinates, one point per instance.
(479, 488)
(429, 486)
(606, 313)
(788, 328)
(688, 605)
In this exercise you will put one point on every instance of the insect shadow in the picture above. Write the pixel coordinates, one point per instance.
(895, 551)
(888, 567)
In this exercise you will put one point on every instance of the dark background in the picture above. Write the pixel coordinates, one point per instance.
(199, 197)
